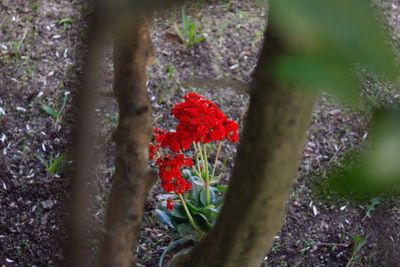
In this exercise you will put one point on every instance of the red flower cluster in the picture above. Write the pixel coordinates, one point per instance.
(175, 142)
(171, 177)
(200, 120)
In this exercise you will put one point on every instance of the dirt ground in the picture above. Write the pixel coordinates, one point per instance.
(41, 50)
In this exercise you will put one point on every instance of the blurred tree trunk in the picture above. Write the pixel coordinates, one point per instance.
(265, 168)
(83, 141)
(132, 179)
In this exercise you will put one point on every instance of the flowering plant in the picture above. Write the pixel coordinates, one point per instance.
(194, 198)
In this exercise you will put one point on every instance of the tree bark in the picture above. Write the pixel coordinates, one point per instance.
(77, 253)
(132, 179)
(265, 169)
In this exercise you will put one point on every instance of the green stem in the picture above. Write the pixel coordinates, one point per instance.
(192, 222)
(200, 152)
(198, 172)
(216, 158)
(195, 147)
(206, 161)
(207, 180)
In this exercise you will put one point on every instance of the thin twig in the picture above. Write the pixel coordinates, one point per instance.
(332, 244)
(239, 86)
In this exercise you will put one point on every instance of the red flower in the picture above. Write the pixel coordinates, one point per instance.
(231, 128)
(171, 177)
(170, 204)
(199, 120)
(152, 150)
(158, 138)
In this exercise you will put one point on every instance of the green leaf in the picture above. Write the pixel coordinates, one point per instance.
(203, 172)
(171, 246)
(325, 41)
(178, 211)
(202, 196)
(42, 160)
(185, 22)
(216, 179)
(197, 185)
(188, 30)
(55, 164)
(183, 14)
(63, 105)
(199, 39)
(175, 221)
(359, 242)
(210, 213)
(186, 230)
(178, 31)
(313, 72)
(203, 222)
(50, 111)
(197, 181)
(192, 207)
(192, 31)
(65, 21)
(163, 217)
(375, 201)
(219, 202)
(222, 188)
(373, 170)
(186, 173)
